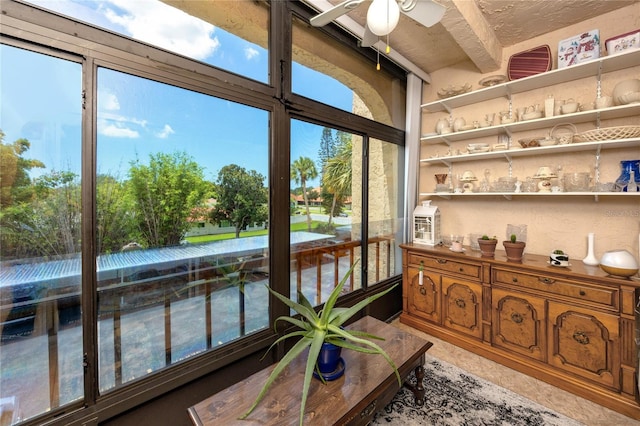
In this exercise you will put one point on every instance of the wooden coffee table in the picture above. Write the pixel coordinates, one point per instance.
(368, 384)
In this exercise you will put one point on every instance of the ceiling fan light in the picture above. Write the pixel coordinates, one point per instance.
(383, 16)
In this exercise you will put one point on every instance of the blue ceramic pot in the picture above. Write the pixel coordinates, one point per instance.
(329, 358)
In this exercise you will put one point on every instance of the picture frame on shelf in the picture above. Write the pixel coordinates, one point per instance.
(578, 49)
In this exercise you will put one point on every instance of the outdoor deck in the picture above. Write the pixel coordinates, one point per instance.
(142, 316)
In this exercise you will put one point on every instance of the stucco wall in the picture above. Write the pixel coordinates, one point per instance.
(553, 222)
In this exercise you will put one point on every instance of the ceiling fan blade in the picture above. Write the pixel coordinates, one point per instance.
(369, 38)
(426, 12)
(329, 15)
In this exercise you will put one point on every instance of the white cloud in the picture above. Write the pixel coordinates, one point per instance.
(116, 130)
(165, 132)
(108, 101)
(161, 25)
(250, 53)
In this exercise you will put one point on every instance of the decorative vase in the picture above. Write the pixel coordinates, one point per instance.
(487, 247)
(441, 124)
(627, 167)
(330, 364)
(591, 258)
(514, 250)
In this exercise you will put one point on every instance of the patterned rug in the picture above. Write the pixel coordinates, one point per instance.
(455, 398)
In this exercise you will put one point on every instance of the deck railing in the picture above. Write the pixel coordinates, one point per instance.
(313, 266)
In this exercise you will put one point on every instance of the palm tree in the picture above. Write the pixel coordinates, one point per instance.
(337, 176)
(302, 170)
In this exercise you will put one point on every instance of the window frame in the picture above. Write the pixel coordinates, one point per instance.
(28, 27)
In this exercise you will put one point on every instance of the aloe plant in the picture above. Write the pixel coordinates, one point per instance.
(318, 328)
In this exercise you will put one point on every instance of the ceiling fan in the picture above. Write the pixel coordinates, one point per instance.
(383, 15)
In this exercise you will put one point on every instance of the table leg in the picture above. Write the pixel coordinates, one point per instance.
(418, 388)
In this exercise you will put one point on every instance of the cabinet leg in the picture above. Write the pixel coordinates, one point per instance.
(418, 388)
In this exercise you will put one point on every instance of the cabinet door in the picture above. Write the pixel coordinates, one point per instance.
(585, 343)
(462, 306)
(518, 323)
(424, 294)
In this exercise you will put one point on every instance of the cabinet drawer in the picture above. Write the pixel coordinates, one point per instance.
(548, 283)
(444, 264)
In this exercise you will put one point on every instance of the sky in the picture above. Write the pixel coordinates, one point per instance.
(138, 117)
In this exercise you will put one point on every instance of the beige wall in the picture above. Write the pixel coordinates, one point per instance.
(553, 222)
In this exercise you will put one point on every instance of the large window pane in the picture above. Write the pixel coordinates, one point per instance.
(231, 35)
(182, 224)
(326, 71)
(325, 234)
(386, 198)
(40, 237)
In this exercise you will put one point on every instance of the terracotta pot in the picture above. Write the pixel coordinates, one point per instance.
(487, 247)
(514, 250)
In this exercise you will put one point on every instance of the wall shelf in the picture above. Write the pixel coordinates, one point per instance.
(588, 69)
(527, 152)
(541, 123)
(510, 195)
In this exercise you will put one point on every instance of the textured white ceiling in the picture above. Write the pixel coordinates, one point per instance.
(479, 29)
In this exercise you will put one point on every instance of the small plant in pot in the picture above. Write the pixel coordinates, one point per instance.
(514, 249)
(559, 258)
(487, 245)
(322, 333)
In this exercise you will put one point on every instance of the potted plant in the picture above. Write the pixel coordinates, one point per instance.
(487, 246)
(559, 258)
(320, 332)
(514, 249)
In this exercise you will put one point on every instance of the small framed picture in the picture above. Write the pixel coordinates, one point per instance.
(578, 49)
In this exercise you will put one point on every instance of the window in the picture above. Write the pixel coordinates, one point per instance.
(40, 285)
(324, 70)
(325, 235)
(166, 155)
(385, 218)
(203, 31)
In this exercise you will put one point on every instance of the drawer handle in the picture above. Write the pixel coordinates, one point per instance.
(371, 408)
(546, 280)
(516, 317)
(423, 291)
(441, 261)
(514, 279)
(461, 269)
(581, 337)
(583, 293)
(460, 303)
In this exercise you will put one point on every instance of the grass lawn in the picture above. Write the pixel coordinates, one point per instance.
(295, 227)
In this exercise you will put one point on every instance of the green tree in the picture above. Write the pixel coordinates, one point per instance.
(115, 215)
(50, 224)
(16, 194)
(163, 194)
(337, 178)
(303, 170)
(241, 198)
(15, 184)
(327, 146)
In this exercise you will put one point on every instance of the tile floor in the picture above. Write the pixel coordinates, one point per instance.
(556, 399)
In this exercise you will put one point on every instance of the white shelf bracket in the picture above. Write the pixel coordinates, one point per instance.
(599, 82)
(596, 176)
(449, 110)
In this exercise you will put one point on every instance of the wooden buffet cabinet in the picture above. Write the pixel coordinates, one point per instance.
(574, 328)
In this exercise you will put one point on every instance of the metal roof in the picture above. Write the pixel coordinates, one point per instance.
(68, 270)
